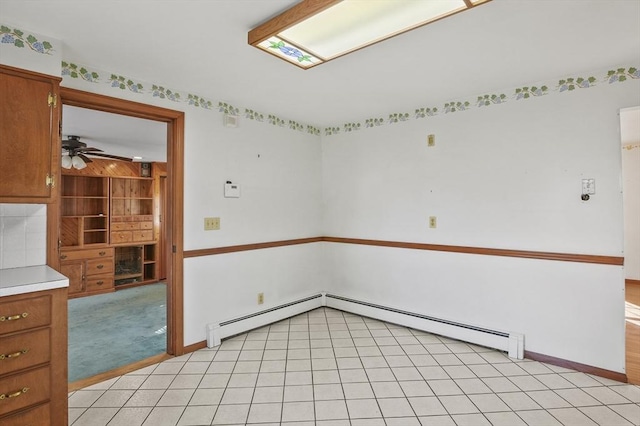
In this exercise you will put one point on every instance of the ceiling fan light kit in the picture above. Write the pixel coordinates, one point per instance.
(313, 32)
(78, 163)
(76, 153)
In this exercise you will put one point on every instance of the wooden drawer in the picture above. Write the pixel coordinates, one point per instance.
(87, 254)
(23, 390)
(146, 225)
(38, 416)
(144, 218)
(99, 266)
(24, 350)
(125, 226)
(142, 235)
(121, 237)
(99, 283)
(25, 314)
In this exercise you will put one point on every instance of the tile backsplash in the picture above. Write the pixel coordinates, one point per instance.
(23, 235)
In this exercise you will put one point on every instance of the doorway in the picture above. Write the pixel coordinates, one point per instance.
(630, 138)
(173, 216)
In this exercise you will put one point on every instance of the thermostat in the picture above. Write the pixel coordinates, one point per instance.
(231, 190)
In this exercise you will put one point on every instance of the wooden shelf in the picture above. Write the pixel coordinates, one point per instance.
(127, 276)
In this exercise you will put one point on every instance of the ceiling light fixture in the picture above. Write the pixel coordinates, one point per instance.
(316, 31)
(69, 161)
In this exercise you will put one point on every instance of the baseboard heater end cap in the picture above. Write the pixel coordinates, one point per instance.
(516, 345)
(213, 335)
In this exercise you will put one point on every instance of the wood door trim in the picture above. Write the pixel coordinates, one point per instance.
(564, 257)
(175, 163)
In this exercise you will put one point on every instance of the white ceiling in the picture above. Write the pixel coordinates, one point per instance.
(117, 134)
(199, 46)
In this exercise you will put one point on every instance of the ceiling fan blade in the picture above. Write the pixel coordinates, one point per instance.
(115, 157)
(84, 158)
(90, 150)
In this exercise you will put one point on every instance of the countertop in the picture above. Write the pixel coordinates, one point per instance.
(30, 279)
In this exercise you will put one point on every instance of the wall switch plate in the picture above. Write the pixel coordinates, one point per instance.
(431, 140)
(211, 223)
(433, 222)
(260, 298)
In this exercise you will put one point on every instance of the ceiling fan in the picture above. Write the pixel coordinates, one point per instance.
(75, 153)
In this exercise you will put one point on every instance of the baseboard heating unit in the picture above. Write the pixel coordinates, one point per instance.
(217, 332)
(512, 343)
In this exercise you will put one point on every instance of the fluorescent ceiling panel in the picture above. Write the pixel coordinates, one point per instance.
(315, 31)
(352, 24)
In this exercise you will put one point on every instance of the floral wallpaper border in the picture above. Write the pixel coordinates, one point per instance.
(564, 85)
(70, 70)
(20, 39)
(568, 84)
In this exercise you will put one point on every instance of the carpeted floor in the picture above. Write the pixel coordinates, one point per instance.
(111, 330)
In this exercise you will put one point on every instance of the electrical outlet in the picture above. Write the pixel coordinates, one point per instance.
(433, 222)
(431, 140)
(211, 223)
(260, 298)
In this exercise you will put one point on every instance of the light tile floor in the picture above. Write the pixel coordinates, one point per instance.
(327, 367)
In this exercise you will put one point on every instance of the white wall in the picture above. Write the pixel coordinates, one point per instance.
(279, 171)
(504, 176)
(631, 191)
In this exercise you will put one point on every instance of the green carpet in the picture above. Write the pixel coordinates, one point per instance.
(111, 330)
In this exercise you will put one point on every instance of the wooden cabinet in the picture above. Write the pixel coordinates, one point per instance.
(131, 210)
(89, 271)
(107, 235)
(33, 358)
(29, 136)
(135, 265)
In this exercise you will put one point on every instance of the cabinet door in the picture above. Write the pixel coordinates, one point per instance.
(75, 272)
(29, 142)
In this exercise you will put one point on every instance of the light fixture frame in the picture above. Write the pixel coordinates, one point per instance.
(306, 9)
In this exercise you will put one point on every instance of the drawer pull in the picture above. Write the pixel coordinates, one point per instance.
(102, 253)
(99, 282)
(14, 317)
(14, 394)
(100, 266)
(63, 256)
(14, 355)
